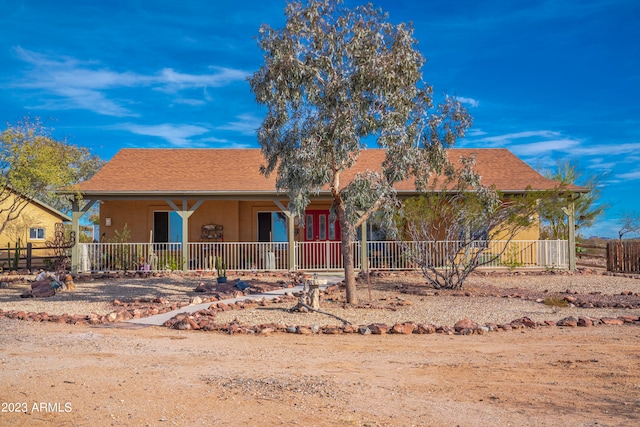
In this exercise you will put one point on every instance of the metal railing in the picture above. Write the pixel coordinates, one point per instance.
(320, 256)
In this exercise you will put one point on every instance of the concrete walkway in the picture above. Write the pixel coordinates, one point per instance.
(159, 319)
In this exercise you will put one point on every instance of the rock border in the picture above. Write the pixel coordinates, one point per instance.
(204, 320)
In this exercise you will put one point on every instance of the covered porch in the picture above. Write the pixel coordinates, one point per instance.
(306, 256)
(182, 208)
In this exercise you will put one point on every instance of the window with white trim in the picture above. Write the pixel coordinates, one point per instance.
(36, 233)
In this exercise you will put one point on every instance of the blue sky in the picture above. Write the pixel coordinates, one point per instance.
(548, 80)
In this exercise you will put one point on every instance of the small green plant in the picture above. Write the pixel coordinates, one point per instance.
(49, 264)
(221, 267)
(15, 259)
(512, 258)
(172, 263)
(555, 301)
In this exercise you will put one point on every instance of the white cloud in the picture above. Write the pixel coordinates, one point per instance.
(629, 176)
(173, 80)
(469, 101)
(85, 84)
(177, 135)
(247, 124)
(476, 132)
(612, 149)
(543, 147)
(503, 140)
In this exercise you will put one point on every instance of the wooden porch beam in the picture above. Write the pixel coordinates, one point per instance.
(185, 213)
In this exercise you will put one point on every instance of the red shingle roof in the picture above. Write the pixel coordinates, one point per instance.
(237, 170)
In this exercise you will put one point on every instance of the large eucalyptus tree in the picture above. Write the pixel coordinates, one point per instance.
(334, 82)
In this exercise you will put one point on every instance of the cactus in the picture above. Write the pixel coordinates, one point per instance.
(221, 268)
(13, 263)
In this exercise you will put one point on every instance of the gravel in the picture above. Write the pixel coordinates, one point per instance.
(395, 298)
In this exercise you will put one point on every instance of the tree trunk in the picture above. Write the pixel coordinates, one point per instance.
(314, 294)
(347, 256)
(349, 272)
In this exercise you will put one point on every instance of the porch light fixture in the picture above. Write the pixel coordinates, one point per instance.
(107, 222)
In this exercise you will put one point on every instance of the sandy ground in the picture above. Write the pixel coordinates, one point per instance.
(72, 375)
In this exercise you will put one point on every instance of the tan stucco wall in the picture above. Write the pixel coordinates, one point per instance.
(239, 218)
(33, 215)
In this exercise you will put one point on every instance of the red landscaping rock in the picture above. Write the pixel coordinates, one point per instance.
(423, 328)
(525, 321)
(378, 328)
(403, 328)
(568, 321)
(332, 330)
(585, 322)
(612, 321)
(465, 324)
(304, 330)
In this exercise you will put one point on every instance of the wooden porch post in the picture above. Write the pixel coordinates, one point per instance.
(185, 213)
(291, 261)
(76, 213)
(570, 211)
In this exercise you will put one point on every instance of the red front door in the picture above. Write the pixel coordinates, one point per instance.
(319, 232)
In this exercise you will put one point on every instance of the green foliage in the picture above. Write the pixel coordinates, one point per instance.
(555, 301)
(512, 258)
(34, 165)
(121, 258)
(172, 263)
(121, 236)
(221, 268)
(334, 80)
(554, 221)
(456, 221)
(13, 261)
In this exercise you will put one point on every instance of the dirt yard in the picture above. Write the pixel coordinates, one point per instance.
(119, 374)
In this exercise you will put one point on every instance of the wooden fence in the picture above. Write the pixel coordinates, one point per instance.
(623, 257)
(30, 258)
(591, 255)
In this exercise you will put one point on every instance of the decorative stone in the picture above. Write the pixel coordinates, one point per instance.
(465, 324)
(364, 330)
(585, 322)
(568, 321)
(612, 321)
(303, 330)
(403, 328)
(423, 328)
(378, 328)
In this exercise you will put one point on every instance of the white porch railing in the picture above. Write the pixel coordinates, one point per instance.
(308, 256)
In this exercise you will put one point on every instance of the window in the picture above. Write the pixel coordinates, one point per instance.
(309, 225)
(36, 233)
(167, 227)
(272, 227)
(322, 224)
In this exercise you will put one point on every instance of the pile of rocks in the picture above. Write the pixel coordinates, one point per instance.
(47, 284)
(204, 320)
(123, 311)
